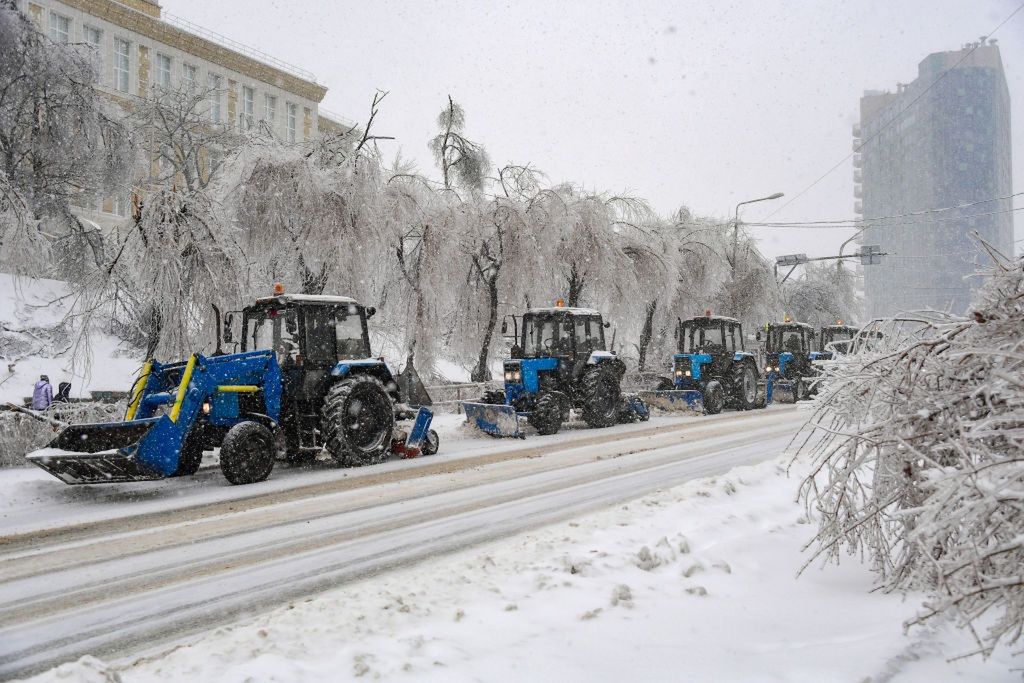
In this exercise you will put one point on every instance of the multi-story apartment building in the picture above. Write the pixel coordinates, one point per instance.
(140, 50)
(941, 141)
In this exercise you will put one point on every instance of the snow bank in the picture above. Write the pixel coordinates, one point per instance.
(693, 583)
(35, 341)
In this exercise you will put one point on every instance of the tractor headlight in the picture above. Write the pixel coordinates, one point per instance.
(768, 368)
(206, 408)
(688, 373)
(679, 373)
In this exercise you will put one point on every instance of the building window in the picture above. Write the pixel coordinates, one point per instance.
(60, 28)
(248, 107)
(188, 76)
(163, 71)
(213, 85)
(269, 108)
(122, 62)
(293, 121)
(93, 37)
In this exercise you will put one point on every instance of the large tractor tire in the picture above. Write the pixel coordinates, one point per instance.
(744, 387)
(799, 390)
(190, 458)
(357, 421)
(494, 397)
(714, 397)
(600, 392)
(546, 416)
(247, 453)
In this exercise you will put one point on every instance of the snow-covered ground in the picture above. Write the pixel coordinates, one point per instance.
(34, 343)
(693, 583)
(31, 499)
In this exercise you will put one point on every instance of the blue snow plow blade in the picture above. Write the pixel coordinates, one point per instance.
(675, 399)
(496, 420)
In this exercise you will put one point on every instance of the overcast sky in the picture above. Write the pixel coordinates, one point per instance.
(682, 103)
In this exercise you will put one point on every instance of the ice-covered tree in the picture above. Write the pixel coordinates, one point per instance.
(918, 451)
(60, 140)
(825, 294)
(462, 161)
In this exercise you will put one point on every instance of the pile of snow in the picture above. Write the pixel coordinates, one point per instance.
(35, 340)
(693, 583)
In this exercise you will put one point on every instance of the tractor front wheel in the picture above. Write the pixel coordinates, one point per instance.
(600, 393)
(546, 416)
(247, 453)
(714, 397)
(358, 421)
(190, 457)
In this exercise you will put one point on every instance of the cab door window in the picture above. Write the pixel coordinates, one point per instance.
(351, 341)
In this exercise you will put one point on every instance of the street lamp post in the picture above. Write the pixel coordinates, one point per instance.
(736, 225)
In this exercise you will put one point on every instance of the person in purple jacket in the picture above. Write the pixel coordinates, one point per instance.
(42, 394)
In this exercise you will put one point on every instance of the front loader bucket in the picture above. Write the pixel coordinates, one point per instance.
(675, 400)
(97, 453)
(496, 420)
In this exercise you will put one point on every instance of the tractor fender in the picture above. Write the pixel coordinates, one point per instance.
(609, 361)
(367, 366)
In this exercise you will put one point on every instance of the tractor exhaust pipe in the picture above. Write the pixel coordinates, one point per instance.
(216, 312)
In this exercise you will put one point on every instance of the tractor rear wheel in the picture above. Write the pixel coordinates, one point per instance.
(600, 392)
(744, 388)
(357, 421)
(546, 416)
(247, 453)
(190, 457)
(714, 397)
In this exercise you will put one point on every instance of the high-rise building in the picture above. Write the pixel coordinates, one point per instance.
(941, 141)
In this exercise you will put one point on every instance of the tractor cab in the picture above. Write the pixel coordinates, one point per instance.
(559, 362)
(787, 355)
(311, 335)
(834, 339)
(711, 367)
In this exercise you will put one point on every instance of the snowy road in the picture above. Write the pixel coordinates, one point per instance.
(127, 583)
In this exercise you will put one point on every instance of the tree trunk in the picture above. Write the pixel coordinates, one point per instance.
(576, 284)
(646, 333)
(482, 373)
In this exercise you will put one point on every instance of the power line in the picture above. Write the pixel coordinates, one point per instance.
(859, 226)
(860, 221)
(895, 118)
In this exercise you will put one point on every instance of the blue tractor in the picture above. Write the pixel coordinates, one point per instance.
(559, 363)
(302, 382)
(834, 339)
(788, 359)
(711, 371)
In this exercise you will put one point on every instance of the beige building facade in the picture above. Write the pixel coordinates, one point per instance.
(141, 50)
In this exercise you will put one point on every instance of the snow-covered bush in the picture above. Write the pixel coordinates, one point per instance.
(919, 460)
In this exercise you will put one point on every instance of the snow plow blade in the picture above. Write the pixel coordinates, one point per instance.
(97, 453)
(675, 399)
(493, 419)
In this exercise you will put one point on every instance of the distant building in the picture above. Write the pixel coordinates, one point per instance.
(951, 147)
(139, 48)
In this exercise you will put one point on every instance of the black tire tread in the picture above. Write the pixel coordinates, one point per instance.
(239, 471)
(331, 424)
(590, 389)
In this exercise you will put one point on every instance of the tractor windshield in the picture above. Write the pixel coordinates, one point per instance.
(836, 334)
(695, 337)
(274, 329)
(335, 333)
(547, 335)
(789, 339)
